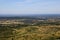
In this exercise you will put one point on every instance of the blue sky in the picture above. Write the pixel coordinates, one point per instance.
(29, 6)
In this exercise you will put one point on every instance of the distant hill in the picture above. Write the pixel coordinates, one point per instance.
(31, 16)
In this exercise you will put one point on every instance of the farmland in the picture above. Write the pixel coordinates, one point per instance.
(30, 29)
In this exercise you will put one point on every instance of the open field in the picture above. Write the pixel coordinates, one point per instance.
(48, 32)
(30, 29)
(38, 33)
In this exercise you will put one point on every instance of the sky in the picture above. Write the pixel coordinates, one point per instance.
(29, 7)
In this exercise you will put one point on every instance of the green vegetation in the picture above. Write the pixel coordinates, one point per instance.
(48, 32)
(43, 30)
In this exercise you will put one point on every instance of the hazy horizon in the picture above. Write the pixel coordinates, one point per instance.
(22, 15)
(24, 7)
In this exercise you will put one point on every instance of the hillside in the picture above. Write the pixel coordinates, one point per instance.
(47, 32)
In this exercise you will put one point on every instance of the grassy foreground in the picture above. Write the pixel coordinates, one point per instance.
(47, 32)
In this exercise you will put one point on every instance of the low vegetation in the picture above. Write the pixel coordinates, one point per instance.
(47, 32)
(40, 30)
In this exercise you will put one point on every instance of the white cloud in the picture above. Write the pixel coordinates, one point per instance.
(30, 10)
(28, 1)
(23, 3)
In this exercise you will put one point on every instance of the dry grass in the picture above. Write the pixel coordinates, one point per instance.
(38, 33)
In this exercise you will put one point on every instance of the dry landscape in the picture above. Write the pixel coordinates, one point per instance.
(26, 29)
